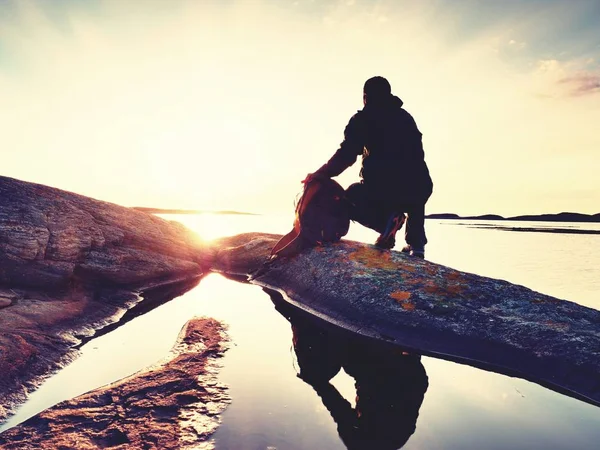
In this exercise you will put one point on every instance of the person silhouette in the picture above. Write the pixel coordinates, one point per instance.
(390, 384)
(394, 176)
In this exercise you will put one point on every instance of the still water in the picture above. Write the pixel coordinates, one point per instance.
(447, 405)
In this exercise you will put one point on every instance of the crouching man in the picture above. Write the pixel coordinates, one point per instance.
(395, 182)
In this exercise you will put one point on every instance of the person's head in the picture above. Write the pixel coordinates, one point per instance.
(376, 90)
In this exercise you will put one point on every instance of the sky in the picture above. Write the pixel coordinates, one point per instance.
(229, 104)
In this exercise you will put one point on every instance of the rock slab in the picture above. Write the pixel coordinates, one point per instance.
(433, 310)
(50, 238)
(174, 405)
(70, 265)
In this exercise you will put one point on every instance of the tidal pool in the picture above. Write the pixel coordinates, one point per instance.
(443, 405)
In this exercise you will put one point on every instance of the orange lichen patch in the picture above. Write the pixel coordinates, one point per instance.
(373, 258)
(414, 280)
(408, 268)
(431, 288)
(454, 276)
(409, 306)
(402, 298)
(400, 295)
(431, 270)
(453, 289)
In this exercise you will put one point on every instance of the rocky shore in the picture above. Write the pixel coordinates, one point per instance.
(431, 309)
(72, 267)
(174, 405)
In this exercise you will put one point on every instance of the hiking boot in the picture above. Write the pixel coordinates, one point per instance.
(385, 243)
(418, 253)
(414, 251)
(387, 239)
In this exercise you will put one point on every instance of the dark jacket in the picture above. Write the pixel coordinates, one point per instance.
(393, 161)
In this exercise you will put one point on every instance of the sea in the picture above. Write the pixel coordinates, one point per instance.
(272, 407)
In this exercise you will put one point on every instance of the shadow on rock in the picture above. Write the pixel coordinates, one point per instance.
(390, 384)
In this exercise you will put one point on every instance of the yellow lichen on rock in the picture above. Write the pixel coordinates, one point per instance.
(374, 258)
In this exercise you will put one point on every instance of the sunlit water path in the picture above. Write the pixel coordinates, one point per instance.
(463, 407)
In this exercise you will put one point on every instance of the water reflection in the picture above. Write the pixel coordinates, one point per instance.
(390, 385)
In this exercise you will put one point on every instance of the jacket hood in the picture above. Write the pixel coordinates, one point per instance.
(394, 102)
(397, 101)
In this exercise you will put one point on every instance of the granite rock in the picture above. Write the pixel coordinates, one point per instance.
(173, 405)
(431, 309)
(51, 238)
(70, 266)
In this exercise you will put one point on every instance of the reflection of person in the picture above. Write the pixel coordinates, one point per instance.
(390, 385)
(395, 178)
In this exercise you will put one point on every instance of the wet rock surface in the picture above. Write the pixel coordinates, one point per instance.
(242, 254)
(174, 405)
(70, 265)
(40, 332)
(435, 310)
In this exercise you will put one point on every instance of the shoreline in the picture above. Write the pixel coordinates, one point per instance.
(564, 217)
(158, 404)
(558, 217)
(54, 353)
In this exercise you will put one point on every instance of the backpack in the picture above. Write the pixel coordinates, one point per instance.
(322, 215)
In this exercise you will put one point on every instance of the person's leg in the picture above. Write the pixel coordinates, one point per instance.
(364, 208)
(415, 229)
(387, 238)
(370, 208)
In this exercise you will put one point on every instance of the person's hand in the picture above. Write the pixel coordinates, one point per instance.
(308, 178)
(312, 176)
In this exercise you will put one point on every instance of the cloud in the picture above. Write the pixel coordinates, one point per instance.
(520, 45)
(571, 78)
(583, 83)
(243, 99)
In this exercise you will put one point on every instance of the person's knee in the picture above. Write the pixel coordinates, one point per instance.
(416, 211)
(355, 191)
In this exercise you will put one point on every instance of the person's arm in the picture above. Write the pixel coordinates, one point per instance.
(342, 412)
(345, 156)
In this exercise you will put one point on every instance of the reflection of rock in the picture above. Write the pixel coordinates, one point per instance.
(436, 310)
(38, 331)
(70, 265)
(156, 408)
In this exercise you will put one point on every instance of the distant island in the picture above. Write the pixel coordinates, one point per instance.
(559, 217)
(187, 211)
